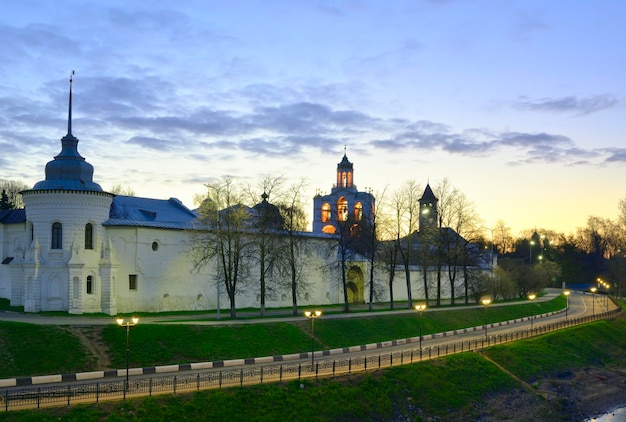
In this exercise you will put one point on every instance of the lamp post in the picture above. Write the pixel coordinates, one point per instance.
(566, 293)
(593, 300)
(607, 288)
(420, 308)
(124, 322)
(532, 298)
(312, 315)
(486, 302)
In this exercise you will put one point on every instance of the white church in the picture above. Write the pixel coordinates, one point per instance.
(79, 249)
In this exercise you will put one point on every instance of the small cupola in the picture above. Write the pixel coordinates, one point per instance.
(345, 172)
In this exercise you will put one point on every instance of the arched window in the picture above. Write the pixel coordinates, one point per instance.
(57, 236)
(326, 213)
(342, 209)
(89, 285)
(88, 236)
(358, 211)
(329, 229)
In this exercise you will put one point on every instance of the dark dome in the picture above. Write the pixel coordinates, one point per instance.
(268, 214)
(69, 170)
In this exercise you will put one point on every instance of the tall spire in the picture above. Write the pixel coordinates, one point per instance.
(69, 170)
(69, 113)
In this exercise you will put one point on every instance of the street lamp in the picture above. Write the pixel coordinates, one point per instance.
(486, 302)
(420, 308)
(532, 297)
(593, 300)
(312, 315)
(566, 293)
(124, 322)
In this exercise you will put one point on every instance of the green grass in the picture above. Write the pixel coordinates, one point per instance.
(455, 384)
(156, 344)
(371, 396)
(28, 349)
(601, 343)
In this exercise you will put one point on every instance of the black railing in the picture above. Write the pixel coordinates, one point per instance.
(36, 397)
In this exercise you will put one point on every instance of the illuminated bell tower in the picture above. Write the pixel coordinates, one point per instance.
(344, 203)
(345, 171)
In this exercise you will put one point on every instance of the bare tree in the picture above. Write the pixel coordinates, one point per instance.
(12, 189)
(292, 210)
(267, 223)
(374, 245)
(460, 228)
(503, 240)
(388, 227)
(406, 212)
(122, 190)
(224, 236)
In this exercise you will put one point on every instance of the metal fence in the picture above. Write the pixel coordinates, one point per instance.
(36, 397)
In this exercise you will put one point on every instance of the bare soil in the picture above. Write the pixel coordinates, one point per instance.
(574, 395)
(91, 339)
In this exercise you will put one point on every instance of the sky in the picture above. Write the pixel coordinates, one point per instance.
(518, 104)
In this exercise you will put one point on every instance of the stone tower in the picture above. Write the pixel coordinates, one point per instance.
(64, 265)
(344, 203)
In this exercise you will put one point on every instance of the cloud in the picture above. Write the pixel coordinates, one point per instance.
(430, 136)
(150, 113)
(580, 106)
(152, 143)
(616, 155)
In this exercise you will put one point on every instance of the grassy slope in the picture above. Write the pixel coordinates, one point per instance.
(436, 388)
(172, 344)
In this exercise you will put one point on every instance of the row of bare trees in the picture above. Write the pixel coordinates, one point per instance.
(446, 246)
(236, 237)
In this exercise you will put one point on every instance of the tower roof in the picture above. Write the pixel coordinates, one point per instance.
(428, 194)
(345, 164)
(69, 170)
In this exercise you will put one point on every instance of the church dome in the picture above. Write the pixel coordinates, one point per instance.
(69, 170)
(268, 214)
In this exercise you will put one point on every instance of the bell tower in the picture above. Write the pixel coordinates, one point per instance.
(344, 203)
(429, 216)
(345, 172)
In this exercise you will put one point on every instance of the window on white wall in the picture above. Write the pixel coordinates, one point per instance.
(57, 236)
(88, 236)
(89, 288)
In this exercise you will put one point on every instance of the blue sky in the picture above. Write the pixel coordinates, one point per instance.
(520, 104)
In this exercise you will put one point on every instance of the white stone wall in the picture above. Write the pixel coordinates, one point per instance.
(44, 279)
(53, 275)
(12, 244)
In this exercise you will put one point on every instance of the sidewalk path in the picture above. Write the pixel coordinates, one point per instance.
(247, 317)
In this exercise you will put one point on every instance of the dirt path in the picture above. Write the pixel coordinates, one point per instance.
(91, 338)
